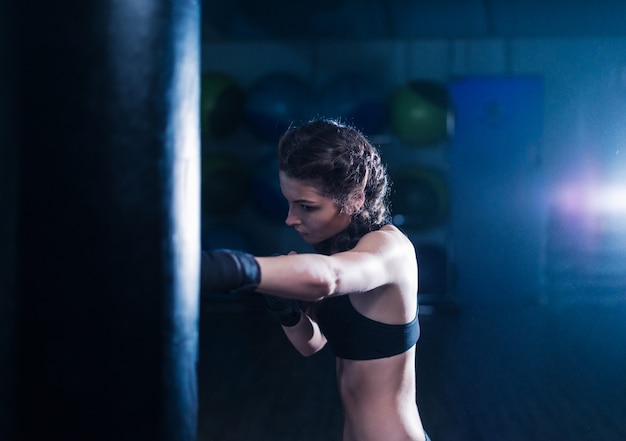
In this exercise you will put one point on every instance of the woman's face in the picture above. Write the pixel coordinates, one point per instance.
(315, 217)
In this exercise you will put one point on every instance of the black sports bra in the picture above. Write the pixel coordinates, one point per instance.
(353, 336)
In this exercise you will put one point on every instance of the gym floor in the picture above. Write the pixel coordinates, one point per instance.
(484, 374)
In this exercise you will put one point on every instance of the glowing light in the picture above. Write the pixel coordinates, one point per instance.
(593, 198)
(609, 199)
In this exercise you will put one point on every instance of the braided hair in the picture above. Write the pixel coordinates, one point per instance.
(342, 164)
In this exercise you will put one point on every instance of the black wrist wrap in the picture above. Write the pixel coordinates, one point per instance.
(228, 271)
(287, 311)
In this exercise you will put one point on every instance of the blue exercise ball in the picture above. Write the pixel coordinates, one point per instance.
(223, 236)
(275, 102)
(356, 100)
(266, 196)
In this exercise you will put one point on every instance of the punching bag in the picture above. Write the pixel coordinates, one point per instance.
(108, 220)
(8, 189)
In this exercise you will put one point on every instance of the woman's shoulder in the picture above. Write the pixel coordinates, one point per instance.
(392, 232)
(392, 228)
(387, 238)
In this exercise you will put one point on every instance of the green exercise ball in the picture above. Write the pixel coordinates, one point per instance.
(419, 113)
(225, 184)
(222, 103)
(419, 197)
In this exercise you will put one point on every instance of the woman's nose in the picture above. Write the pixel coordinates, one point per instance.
(291, 219)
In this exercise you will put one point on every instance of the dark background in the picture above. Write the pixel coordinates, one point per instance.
(510, 182)
(517, 213)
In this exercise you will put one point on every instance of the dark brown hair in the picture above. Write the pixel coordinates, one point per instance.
(340, 162)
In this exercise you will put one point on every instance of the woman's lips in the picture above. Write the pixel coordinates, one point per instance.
(303, 234)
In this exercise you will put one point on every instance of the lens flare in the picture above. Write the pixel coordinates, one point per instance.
(598, 199)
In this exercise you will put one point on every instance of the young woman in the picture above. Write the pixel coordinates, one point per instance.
(360, 289)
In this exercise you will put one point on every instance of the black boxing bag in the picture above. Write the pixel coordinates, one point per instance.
(8, 215)
(107, 250)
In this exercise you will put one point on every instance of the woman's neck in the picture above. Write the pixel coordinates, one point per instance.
(346, 239)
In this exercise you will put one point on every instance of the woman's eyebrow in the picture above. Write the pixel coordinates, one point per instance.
(304, 201)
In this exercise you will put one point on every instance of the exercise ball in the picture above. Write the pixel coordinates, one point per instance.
(420, 113)
(225, 184)
(223, 236)
(266, 197)
(419, 197)
(356, 100)
(433, 268)
(275, 102)
(222, 103)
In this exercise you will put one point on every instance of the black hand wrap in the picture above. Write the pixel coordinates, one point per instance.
(225, 271)
(287, 311)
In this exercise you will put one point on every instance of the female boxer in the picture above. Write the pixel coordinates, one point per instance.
(360, 286)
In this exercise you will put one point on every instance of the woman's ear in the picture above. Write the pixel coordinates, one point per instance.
(358, 200)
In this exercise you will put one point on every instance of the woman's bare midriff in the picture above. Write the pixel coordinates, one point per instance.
(379, 399)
